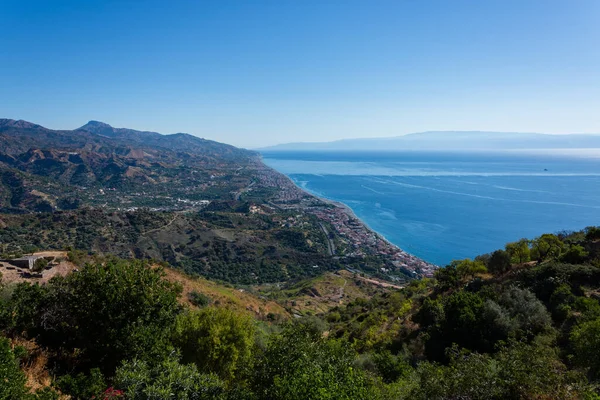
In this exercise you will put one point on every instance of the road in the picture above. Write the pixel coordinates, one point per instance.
(330, 244)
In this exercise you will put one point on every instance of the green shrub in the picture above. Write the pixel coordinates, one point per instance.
(166, 381)
(199, 299)
(12, 379)
(216, 340)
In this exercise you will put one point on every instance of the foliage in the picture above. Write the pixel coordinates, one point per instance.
(447, 277)
(576, 254)
(199, 299)
(300, 364)
(166, 380)
(519, 252)
(469, 268)
(217, 340)
(517, 371)
(586, 346)
(499, 262)
(528, 316)
(82, 386)
(530, 331)
(40, 264)
(101, 314)
(546, 246)
(12, 379)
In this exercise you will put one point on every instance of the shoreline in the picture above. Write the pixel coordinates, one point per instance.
(346, 209)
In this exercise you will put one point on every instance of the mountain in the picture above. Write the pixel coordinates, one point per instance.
(203, 206)
(175, 142)
(43, 169)
(20, 136)
(451, 140)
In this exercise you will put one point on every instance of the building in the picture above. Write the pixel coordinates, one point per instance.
(26, 262)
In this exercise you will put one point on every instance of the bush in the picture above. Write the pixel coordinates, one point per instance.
(517, 371)
(82, 386)
(585, 340)
(301, 364)
(102, 314)
(499, 262)
(199, 299)
(216, 340)
(12, 379)
(165, 381)
(40, 264)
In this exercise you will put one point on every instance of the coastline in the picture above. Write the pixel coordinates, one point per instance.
(411, 262)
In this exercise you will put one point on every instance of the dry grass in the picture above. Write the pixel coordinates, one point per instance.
(221, 295)
(35, 366)
(331, 290)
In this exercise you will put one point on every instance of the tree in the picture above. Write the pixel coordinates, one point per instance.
(430, 313)
(40, 264)
(106, 313)
(216, 340)
(82, 386)
(575, 255)
(547, 246)
(463, 323)
(469, 268)
(592, 233)
(516, 371)
(519, 252)
(447, 277)
(12, 379)
(530, 316)
(585, 339)
(499, 262)
(301, 364)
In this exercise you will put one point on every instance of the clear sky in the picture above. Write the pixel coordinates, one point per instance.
(254, 73)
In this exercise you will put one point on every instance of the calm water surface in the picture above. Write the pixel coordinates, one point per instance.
(442, 206)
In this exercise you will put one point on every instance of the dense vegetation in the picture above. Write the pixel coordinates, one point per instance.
(230, 245)
(96, 165)
(520, 323)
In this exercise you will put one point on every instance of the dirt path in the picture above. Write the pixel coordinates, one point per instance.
(159, 228)
(342, 289)
(380, 283)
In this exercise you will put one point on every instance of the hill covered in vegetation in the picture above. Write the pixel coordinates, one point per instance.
(203, 206)
(520, 323)
(44, 170)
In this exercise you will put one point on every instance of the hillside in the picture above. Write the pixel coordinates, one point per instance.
(43, 169)
(451, 141)
(226, 243)
(206, 207)
(222, 295)
(520, 323)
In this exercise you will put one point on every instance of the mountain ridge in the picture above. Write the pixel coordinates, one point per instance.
(451, 140)
(40, 168)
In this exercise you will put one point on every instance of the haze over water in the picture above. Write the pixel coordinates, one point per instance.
(444, 206)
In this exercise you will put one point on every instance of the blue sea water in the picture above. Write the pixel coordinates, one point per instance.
(445, 206)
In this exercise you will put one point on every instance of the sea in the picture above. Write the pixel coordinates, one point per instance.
(442, 206)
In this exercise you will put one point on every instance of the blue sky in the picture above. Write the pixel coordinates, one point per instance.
(255, 73)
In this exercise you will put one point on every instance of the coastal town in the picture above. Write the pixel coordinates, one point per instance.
(360, 240)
